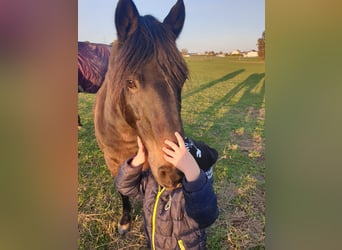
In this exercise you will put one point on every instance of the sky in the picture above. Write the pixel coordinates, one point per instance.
(211, 25)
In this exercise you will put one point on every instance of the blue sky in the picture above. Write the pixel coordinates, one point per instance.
(219, 25)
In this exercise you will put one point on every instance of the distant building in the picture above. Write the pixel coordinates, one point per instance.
(236, 52)
(251, 53)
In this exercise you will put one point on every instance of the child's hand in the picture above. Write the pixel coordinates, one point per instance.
(140, 158)
(181, 158)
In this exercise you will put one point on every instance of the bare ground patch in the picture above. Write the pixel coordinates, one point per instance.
(250, 143)
(242, 214)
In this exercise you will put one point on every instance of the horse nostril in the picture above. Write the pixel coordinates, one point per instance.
(163, 171)
(162, 174)
(169, 177)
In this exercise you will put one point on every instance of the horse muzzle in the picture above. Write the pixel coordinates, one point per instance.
(169, 177)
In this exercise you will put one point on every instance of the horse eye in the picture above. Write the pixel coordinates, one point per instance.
(131, 84)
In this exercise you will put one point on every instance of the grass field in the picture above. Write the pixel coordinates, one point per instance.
(223, 104)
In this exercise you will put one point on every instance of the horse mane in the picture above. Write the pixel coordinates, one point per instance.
(151, 41)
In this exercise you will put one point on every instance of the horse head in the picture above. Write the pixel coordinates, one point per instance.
(144, 81)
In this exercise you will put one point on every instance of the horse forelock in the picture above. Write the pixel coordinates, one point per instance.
(151, 42)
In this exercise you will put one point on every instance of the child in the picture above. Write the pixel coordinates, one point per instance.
(174, 219)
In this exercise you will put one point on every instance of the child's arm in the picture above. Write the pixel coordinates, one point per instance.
(129, 176)
(199, 195)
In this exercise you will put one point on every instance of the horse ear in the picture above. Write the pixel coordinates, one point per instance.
(175, 18)
(126, 19)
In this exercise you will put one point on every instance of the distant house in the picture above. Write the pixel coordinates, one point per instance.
(251, 53)
(236, 52)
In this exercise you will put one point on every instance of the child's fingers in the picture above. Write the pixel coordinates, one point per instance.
(168, 152)
(171, 144)
(169, 159)
(180, 140)
(140, 144)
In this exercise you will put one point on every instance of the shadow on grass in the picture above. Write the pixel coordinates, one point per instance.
(245, 213)
(232, 108)
(247, 99)
(248, 84)
(212, 83)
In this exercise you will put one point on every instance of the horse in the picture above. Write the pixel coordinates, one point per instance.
(141, 94)
(92, 67)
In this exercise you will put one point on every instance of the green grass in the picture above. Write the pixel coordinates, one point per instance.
(223, 104)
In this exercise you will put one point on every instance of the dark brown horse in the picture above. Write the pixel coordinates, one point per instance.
(92, 67)
(141, 94)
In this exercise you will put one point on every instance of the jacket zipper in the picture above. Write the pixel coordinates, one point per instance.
(154, 215)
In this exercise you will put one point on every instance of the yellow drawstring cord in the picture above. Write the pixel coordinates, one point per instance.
(160, 191)
(181, 245)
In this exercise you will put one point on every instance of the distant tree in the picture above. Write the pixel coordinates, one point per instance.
(261, 46)
(184, 52)
(211, 53)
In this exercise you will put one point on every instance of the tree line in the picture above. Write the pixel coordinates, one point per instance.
(260, 44)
